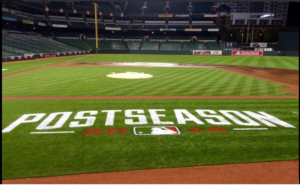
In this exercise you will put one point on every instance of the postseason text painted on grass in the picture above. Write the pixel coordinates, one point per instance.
(157, 121)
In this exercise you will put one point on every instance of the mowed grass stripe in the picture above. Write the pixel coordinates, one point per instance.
(92, 81)
(22, 66)
(293, 61)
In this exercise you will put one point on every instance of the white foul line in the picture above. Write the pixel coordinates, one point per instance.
(250, 129)
(58, 132)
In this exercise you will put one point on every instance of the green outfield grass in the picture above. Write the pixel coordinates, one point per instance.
(26, 155)
(14, 67)
(92, 81)
(259, 61)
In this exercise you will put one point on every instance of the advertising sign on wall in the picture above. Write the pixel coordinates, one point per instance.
(59, 26)
(112, 28)
(227, 45)
(182, 15)
(216, 52)
(9, 18)
(258, 44)
(27, 21)
(213, 29)
(207, 52)
(167, 29)
(41, 24)
(210, 15)
(192, 29)
(247, 53)
(165, 15)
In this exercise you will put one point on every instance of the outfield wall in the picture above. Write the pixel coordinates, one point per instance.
(165, 52)
(188, 52)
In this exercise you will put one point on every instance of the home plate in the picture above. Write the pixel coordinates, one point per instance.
(129, 75)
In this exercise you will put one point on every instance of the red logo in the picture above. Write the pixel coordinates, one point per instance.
(247, 53)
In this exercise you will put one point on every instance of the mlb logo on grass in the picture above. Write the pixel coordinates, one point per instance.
(156, 130)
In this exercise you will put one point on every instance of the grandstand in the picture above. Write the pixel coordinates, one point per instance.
(141, 28)
(118, 45)
(28, 44)
(194, 46)
(133, 45)
(75, 43)
(170, 46)
(214, 46)
(150, 45)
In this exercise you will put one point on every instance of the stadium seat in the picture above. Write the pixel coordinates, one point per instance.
(170, 46)
(150, 45)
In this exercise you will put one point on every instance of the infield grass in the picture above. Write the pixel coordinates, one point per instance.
(92, 81)
(26, 155)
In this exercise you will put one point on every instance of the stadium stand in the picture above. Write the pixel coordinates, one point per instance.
(14, 51)
(135, 26)
(115, 44)
(78, 23)
(64, 34)
(206, 38)
(112, 36)
(35, 44)
(134, 45)
(133, 37)
(156, 7)
(101, 45)
(59, 5)
(161, 37)
(8, 54)
(59, 22)
(179, 7)
(76, 43)
(134, 7)
(193, 46)
(214, 46)
(150, 45)
(170, 46)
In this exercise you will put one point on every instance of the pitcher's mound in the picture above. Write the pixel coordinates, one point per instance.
(129, 75)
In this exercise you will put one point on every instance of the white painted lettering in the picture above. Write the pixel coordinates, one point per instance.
(249, 122)
(142, 118)
(155, 116)
(180, 113)
(110, 117)
(267, 119)
(50, 118)
(90, 120)
(23, 119)
(222, 121)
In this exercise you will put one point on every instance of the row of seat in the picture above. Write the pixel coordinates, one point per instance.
(23, 44)
(14, 45)
(147, 45)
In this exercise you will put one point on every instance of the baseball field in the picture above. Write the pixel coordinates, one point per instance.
(64, 116)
